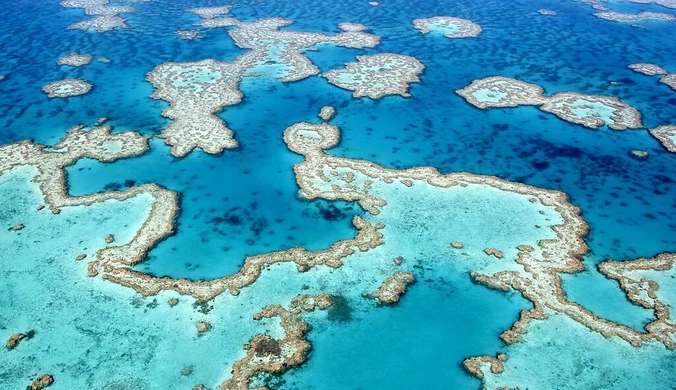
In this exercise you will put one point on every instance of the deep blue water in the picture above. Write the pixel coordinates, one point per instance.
(243, 202)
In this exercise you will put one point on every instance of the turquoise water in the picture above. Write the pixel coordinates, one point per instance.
(244, 201)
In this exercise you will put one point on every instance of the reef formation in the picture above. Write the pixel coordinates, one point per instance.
(448, 26)
(666, 135)
(75, 59)
(67, 88)
(106, 16)
(621, 17)
(588, 110)
(378, 75)
(667, 78)
(197, 90)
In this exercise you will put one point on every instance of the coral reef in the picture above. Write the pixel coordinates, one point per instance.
(620, 17)
(41, 382)
(67, 88)
(188, 34)
(377, 75)
(666, 135)
(393, 288)
(106, 19)
(449, 26)
(588, 110)
(75, 59)
(197, 90)
(668, 79)
(270, 356)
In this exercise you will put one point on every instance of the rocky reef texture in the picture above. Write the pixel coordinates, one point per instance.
(648, 69)
(41, 382)
(197, 90)
(668, 79)
(14, 340)
(539, 278)
(377, 75)
(118, 270)
(642, 290)
(666, 135)
(327, 113)
(393, 288)
(311, 302)
(353, 27)
(67, 88)
(620, 17)
(449, 26)
(188, 34)
(266, 355)
(75, 59)
(106, 16)
(663, 3)
(476, 365)
(211, 12)
(588, 110)
(96, 143)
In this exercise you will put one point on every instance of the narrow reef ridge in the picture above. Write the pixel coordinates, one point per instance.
(448, 26)
(643, 291)
(393, 288)
(377, 75)
(668, 79)
(587, 110)
(266, 355)
(67, 88)
(198, 90)
(666, 135)
(538, 281)
(75, 59)
(476, 365)
(648, 69)
(106, 19)
(620, 17)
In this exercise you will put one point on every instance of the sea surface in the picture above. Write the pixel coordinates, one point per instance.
(91, 333)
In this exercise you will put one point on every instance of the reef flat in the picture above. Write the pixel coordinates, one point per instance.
(198, 90)
(106, 16)
(667, 78)
(67, 88)
(75, 59)
(448, 26)
(378, 75)
(589, 111)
